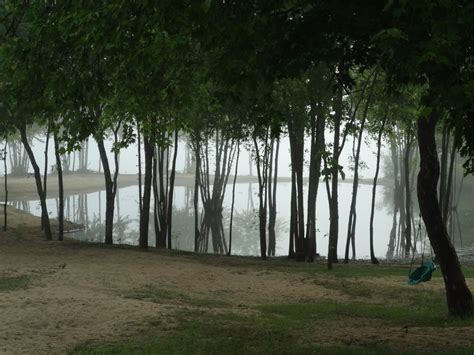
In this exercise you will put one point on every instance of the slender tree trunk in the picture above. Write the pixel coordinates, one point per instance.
(334, 208)
(293, 221)
(39, 186)
(145, 212)
(233, 199)
(355, 186)
(46, 150)
(5, 205)
(373, 259)
(408, 236)
(297, 160)
(396, 189)
(444, 165)
(196, 197)
(139, 140)
(171, 189)
(401, 205)
(459, 297)
(59, 170)
(262, 185)
(109, 193)
(449, 185)
(272, 190)
(156, 200)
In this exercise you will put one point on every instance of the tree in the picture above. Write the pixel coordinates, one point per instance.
(429, 43)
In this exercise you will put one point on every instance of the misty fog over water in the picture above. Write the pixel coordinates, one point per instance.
(89, 209)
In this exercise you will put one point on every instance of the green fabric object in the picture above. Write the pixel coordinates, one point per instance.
(422, 274)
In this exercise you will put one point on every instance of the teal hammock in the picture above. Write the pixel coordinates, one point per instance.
(422, 274)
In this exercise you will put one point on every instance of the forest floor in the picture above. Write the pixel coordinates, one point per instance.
(71, 297)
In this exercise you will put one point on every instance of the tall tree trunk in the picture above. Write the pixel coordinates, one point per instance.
(139, 147)
(272, 190)
(156, 199)
(145, 212)
(233, 199)
(39, 186)
(449, 185)
(196, 196)
(5, 205)
(293, 221)
(396, 189)
(373, 259)
(408, 236)
(46, 150)
(334, 208)
(213, 194)
(444, 165)
(262, 186)
(296, 133)
(459, 297)
(171, 189)
(401, 205)
(355, 186)
(59, 170)
(109, 192)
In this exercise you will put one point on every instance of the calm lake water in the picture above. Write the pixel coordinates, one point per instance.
(89, 210)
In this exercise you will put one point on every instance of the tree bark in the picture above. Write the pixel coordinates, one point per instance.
(449, 186)
(406, 160)
(373, 259)
(196, 196)
(44, 210)
(233, 199)
(355, 185)
(262, 188)
(334, 207)
(396, 189)
(46, 150)
(272, 190)
(5, 205)
(459, 297)
(139, 154)
(59, 170)
(171, 190)
(296, 134)
(318, 123)
(145, 212)
(109, 193)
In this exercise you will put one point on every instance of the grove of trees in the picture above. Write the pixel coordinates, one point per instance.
(232, 73)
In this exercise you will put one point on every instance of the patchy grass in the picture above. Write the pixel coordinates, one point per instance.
(279, 329)
(374, 319)
(156, 294)
(428, 315)
(326, 327)
(12, 283)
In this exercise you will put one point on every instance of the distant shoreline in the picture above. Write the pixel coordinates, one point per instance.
(20, 188)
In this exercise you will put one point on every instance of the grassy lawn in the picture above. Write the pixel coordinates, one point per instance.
(12, 283)
(216, 326)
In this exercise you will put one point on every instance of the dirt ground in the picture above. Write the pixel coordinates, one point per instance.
(78, 293)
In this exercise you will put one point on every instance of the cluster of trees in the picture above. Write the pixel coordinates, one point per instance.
(230, 72)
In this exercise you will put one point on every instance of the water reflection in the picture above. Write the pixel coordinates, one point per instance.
(88, 209)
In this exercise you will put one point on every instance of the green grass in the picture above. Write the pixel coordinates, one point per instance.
(156, 294)
(12, 283)
(275, 329)
(427, 315)
(213, 326)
